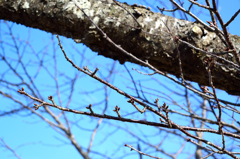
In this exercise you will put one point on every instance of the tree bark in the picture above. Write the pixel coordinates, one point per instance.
(152, 42)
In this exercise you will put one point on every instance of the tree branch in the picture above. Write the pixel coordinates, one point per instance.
(65, 19)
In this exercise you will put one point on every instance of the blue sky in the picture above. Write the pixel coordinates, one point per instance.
(31, 138)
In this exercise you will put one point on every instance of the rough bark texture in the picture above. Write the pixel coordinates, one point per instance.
(153, 43)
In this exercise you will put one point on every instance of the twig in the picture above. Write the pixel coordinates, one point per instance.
(117, 111)
(131, 100)
(192, 15)
(232, 18)
(208, 155)
(90, 108)
(9, 148)
(210, 64)
(165, 109)
(211, 12)
(148, 74)
(190, 45)
(200, 5)
(226, 32)
(144, 122)
(156, 102)
(140, 152)
(167, 10)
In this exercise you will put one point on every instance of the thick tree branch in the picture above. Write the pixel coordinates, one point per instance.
(151, 42)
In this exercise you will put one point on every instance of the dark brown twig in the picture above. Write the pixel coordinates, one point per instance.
(210, 64)
(232, 18)
(200, 5)
(167, 10)
(226, 34)
(90, 108)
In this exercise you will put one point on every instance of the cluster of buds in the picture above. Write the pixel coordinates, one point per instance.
(211, 24)
(188, 140)
(161, 9)
(165, 108)
(205, 89)
(117, 110)
(37, 106)
(21, 91)
(226, 49)
(176, 39)
(210, 62)
(50, 98)
(131, 101)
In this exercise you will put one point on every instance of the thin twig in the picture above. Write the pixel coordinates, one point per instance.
(140, 152)
(232, 18)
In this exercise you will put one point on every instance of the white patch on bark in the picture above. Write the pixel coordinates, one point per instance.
(96, 20)
(76, 4)
(148, 19)
(151, 30)
(158, 23)
(25, 5)
(117, 24)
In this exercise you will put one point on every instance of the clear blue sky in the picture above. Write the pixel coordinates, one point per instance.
(34, 139)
